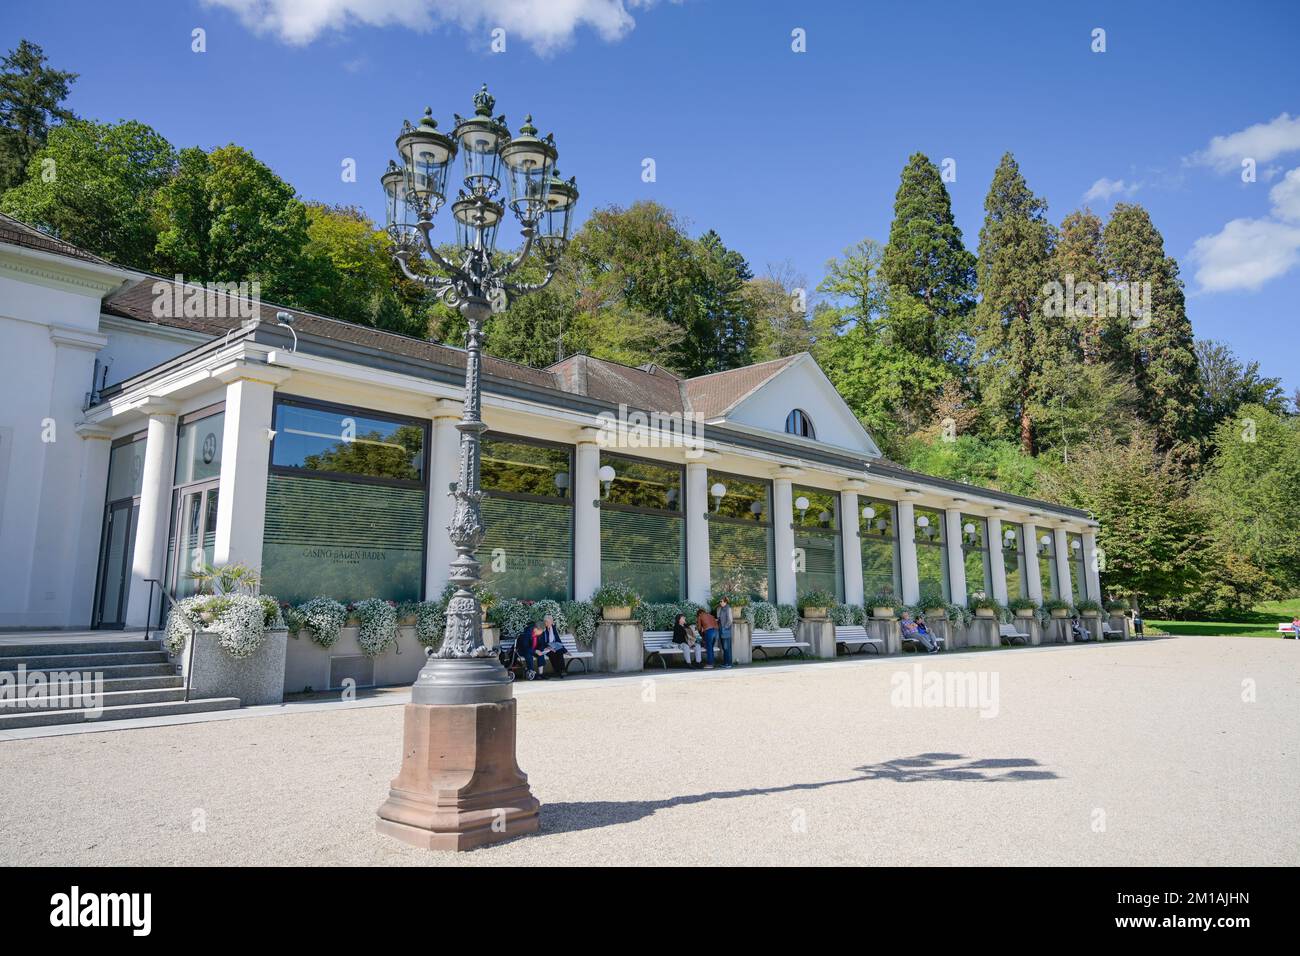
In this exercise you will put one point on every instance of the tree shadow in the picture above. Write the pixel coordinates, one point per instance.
(922, 768)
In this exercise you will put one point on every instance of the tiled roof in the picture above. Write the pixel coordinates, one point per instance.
(714, 395)
(20, 234)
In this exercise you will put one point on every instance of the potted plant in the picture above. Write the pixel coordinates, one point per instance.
(932, 601)
(814, 603)
(1057, 608)
(1023, 607)
(244, 645)
(882, 605)
(1116, 607)
(984, 606)
(1088, 608)
(616, 600)
(763, 616)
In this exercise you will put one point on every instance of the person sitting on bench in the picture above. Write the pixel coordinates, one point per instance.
(553, 645)
(684, 638)
(531, 648)
(917, 631)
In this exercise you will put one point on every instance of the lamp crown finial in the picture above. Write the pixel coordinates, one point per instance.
(528, 129)
(484, 101)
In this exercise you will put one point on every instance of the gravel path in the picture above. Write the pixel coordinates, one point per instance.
(1134, 753)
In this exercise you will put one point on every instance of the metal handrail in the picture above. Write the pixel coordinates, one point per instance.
(194, 643)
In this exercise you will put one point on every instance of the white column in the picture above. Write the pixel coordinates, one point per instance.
(699, 582)
(956, 557)
(245, 463)
(586, 516)
(149, 558)
(783, 539)
(851, 541)
(1091, 564)
(444, 453)
(96, 446)
(1061, 543)
(1033, 580)
(907, 572)
(997, 566)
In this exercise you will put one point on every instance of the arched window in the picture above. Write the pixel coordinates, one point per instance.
(798, 423)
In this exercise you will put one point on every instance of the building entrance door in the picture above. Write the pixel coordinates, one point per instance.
(115, 564)
(196, 526)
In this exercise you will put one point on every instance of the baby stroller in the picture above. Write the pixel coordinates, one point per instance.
(514, 664)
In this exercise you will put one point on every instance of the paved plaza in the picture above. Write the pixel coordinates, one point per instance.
(1177, 751)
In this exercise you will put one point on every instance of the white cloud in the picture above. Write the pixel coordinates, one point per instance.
(1285, 197)
(1245, 254)
(547, 25)
(1103, 189)
(1261, 142)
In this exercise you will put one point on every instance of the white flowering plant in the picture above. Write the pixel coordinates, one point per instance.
(240, 621)
(377, 620)
(322, 618)
(430, 623)
(762, 615)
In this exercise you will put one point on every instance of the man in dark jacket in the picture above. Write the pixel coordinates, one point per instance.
(552, 644)
(531, 648)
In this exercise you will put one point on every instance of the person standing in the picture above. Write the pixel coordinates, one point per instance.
(707, 625)
(725, 621)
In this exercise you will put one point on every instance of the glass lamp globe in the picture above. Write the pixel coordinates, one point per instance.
(801, 503)
(606, 473)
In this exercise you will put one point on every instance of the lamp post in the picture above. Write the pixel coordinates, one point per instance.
(459, 785)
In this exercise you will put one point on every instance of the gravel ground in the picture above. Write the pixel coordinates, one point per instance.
(1134, 753)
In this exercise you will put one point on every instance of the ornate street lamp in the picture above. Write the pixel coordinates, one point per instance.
(460, 785)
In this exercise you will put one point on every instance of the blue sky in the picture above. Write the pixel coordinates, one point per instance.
(790, 156)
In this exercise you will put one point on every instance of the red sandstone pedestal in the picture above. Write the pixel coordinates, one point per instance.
(459, 786)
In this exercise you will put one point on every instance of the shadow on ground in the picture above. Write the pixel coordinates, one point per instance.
(928, 767)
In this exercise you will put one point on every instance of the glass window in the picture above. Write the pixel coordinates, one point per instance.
(879, 531)
(126, 470)
(975, 552)
(931, 556)
(346, 505)
(1077, 559)
(741, 548)
(342, 441)
(198, 449)
(1013, 559)
(817, 538)
(642, 531)
(1047, 564)
(798, 423)
(527, 550)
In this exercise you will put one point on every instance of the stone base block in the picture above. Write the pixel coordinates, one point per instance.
(983, 632)
(886, 629)
(255, 680)
(742, 641)
(618, 648)
(820, 633)
(459, 786)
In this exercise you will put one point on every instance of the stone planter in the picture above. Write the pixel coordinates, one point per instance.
(617, 648)
(1092, 615)
(887, 630)
(820, 634)
(985, 612)
(813, 613)
(1060, 612)
(255, 680)
(883, 613)
(616, 613)
(1025, 615)
(309, 666)
(742, 641)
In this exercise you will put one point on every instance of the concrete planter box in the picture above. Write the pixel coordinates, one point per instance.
(883, 613)
(255, 680)
(1028, 615)
(887, 630)
(617, 648)
(820, 634)
(983, 632)
(616, 613)
(985, 612)
(307, 665)
(813, 613)
(1119, 623)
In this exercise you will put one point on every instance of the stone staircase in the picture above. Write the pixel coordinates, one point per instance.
(137, 680)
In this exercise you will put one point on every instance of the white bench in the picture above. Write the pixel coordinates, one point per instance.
(855, 634)
(781, 639)
(911, 642)
(1109, 633)
(1009, 635)
(572, 652)
(1287, 629)
(660, 644)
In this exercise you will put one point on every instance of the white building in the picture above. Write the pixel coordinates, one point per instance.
(134, 444)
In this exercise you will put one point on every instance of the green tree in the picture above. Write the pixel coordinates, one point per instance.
(929, 272)
(1077, 264)
(1226, 384)
(1159, 346)
(723, 331)
(100, 188)
(31, 98)
(1016, 347)
(226, 217)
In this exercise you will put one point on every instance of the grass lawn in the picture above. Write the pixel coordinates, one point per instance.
(1260, 621)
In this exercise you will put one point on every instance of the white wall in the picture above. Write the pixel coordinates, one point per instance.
(803, 385)
(134, 347)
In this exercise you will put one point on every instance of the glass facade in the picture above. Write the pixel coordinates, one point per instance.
(346, 504)
(741, 547)
(1046, 549)
(198, 449)
(643, 527)
(975, 554)
(192, 536)
(878, 526)
(1077, 559)
(126, 470)
(817, 539)
(527, 551)
(1013, 559)
(931, 552)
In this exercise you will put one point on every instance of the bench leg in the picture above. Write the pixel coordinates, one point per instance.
(759, 650)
